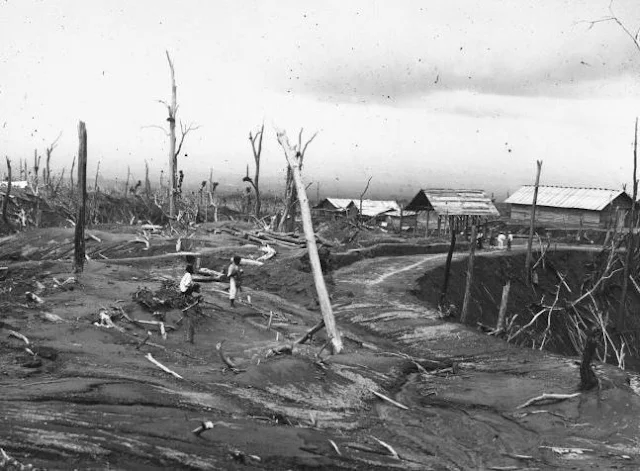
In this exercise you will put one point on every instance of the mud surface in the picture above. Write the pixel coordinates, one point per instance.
(95, 401)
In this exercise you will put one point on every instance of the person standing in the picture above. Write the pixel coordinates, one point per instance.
(235, 279)
(509, 240)
(501, 239)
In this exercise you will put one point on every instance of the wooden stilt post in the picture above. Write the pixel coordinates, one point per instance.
(447, 267)
(527, 264)
(81, 194)
(467, 289)
(292, 156)
(503, 306)
(630, 237)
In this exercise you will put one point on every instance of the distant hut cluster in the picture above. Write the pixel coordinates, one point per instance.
(432, 209)
(571, 207)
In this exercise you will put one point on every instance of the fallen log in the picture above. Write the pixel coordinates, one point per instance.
(554, 397)
(162, 367)
(309, 333)
(388, 399)
(19, 336)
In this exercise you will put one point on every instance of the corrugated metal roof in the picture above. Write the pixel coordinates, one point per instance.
(594, 199)
(460, 202)
(339, 203)
(371, 208)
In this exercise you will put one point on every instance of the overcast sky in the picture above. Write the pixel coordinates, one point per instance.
(450, 93)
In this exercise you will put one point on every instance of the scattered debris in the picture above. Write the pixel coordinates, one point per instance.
(230, 365)
(208, 425)
(335, 447)
(47, 316)
(162, 367)
(144, 340)
(392, 452)
(34, 297)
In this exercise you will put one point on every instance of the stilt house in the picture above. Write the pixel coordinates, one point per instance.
(563, 206)
(458, 209)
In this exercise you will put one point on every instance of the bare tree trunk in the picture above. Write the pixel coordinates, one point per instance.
(631, 237)
(5, 201)
(82, 196)
(527, 264)
(257, 153)
(503, 306)
(469, 285)
(73, 166)
(126, 185)
(293, 158)
(147, 182)
(173, 158)
(447, 267)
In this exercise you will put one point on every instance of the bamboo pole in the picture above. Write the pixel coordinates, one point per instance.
(527, 264)
(630, 239)
(467, 290)
(292, 156)
(82, 196)
(503, 306)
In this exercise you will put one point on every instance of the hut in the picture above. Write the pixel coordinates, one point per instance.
(564, 206)
(453, 208)
(330, 209)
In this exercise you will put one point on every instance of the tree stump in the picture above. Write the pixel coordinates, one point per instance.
(588, 379)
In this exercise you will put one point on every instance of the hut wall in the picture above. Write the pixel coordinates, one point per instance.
(557, 216)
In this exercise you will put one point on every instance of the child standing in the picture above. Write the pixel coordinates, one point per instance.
(235, 279)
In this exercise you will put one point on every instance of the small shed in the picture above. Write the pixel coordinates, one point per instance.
(330, 209)
(454, 208)
(565, 206)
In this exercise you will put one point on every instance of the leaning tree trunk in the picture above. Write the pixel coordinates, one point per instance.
(82, 196)
(527, 264)
(447, 267)
(323, 295)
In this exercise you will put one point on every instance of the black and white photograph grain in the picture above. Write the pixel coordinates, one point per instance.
(285, 235)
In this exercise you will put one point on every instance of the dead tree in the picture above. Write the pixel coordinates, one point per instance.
(256, 147)
(294, 159)
(175, 147)
(5, 200)
(631, 236)
(73, 166)
(364, 192)
(588, 379)
(49, 151)
(469, 285)
(527, 263)
(147, 182)
(287, 223)
(126, 184)
(82, 197)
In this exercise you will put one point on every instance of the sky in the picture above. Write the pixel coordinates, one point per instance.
(415, 94)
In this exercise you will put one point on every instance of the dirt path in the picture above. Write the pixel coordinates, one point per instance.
(469, 419)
